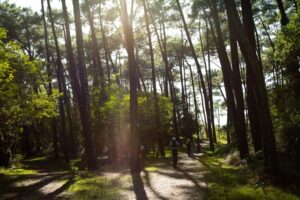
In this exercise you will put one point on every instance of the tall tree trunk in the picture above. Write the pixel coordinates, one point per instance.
(206, 100)
(49, 89)
(167, 67)
(208, 78)
(269, 144)
(252, 100)
(71, 138)
(158, 134)
(60, 80)
(230, 87)
(128, 32)
(183, 96)
(210, 84)
(174, 107)
(72, 70)
(237, 84)
(84, 105)
(203, 107)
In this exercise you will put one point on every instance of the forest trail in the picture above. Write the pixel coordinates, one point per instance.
(158, 180)
(161, 181)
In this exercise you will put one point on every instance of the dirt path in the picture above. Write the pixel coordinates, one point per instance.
(159, 180)
(162, 181)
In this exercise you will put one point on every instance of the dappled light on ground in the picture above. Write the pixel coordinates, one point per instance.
(158, 180)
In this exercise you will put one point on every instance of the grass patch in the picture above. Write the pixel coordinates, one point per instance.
(237, 182)
(51, 165)
(16, 171)
(92, 186)
(151, 169)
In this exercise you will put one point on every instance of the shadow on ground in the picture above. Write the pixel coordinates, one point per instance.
(158, 180)
(35, 186)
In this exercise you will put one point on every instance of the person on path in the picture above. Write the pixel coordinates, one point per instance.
(189, 147)
(174, 146)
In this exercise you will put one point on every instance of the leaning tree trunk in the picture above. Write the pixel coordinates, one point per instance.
(230, 87)
(252, 100)
(62, 100)
(237, 84)
(206, 100)
(134, 142)
(269, 143)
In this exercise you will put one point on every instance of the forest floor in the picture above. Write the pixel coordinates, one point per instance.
(159, 180)
(202, 176)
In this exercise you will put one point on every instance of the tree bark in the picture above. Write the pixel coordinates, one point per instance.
(237, 84)
(134, 141)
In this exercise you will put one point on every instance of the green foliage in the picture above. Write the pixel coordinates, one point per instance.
(23, 98)
(288, 41)
(290, 140)
(20, 24)
(117, 109)
(147, 116)
(286, 97)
